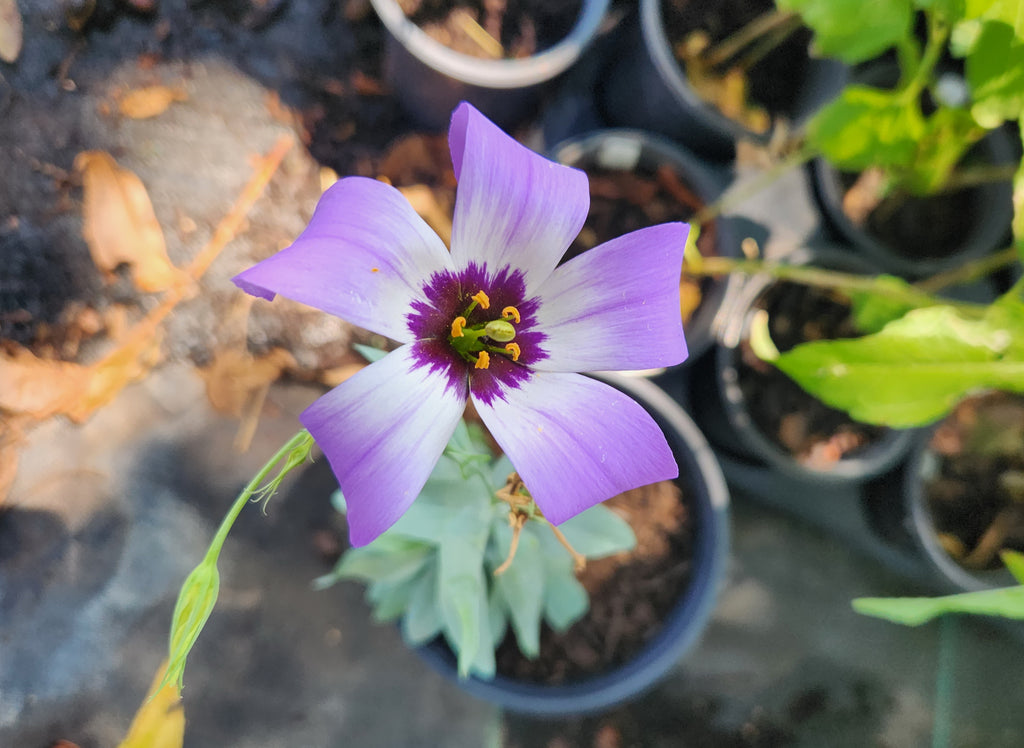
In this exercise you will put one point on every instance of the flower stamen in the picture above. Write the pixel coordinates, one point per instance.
(457, 324)
(483, 360)
(510, 313)
(482, 299)
(513, 348)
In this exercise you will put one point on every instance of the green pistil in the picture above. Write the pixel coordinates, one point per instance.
(481, 336)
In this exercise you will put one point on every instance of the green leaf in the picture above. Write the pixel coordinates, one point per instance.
(497, 617)
(422, 620)
(867, 127)
(370, 353)
(853, 30)
(598, 532)
(522, 586)
(913, 611)
(917, 368)
(872, 311)
(947, 136)
(386, 559)
(565, 599)
(469, 449)
(390, 599)
(461, 589)
(1008, 11)
(448, 505)
(483, 664)
(995, 73)
(338, 502)
(1018, 197)
(1014, 561)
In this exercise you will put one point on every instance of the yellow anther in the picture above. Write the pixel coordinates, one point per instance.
(481, 298)
(457, 324)
(513, 348)
(482, 360)
(511, 313)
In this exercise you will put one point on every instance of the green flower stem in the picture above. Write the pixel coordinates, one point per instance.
(972, 271)
(199, 591)
(938, 34)
(822, 278)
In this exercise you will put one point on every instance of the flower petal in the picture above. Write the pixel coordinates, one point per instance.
(365, 256)
(616, 306)
(513, 207)
(576, 441)
(383, 431)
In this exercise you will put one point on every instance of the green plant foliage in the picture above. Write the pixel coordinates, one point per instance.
(867, 127)
(995, 72)
(434, 568)
(913, 611)
(916, 368)
(853, 30)
(873, 311)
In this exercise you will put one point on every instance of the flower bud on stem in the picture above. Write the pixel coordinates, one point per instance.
(199, 591)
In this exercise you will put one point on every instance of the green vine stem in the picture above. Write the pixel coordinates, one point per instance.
(199, 591)
(821, 278)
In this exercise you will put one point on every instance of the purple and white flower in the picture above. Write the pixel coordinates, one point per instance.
(495, 320)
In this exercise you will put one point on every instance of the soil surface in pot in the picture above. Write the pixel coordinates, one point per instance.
(622, 201)
(816, 435)
(750, 93)
(495, 29)
(914, 227)
(630, 594)
(976, 497)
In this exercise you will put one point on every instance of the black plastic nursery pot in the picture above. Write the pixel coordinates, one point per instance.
(962, 490)
(638, 179)
(429, 79)
(647, 88)
(927, 235)
(707, 501)
(735, 396)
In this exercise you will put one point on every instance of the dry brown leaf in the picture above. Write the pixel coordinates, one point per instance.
(142, 103)
(338, 374)
(424, 202)
(38, 387)
(120, 226)
(11, 434)
(106, 378)
(235, 377)
(10, 30)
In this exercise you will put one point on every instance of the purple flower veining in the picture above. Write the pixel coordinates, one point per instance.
(493, 320)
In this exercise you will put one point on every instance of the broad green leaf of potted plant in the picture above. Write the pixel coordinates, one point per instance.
(1018, 199)
(853, 30)
(915, 369)
(1007, 602)
(995, 72)
(867, 127)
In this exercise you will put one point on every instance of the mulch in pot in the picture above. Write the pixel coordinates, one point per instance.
(768, 83)
(976, 495)
(630, 594)
(622, 201)
(816, 435)
(495, 29)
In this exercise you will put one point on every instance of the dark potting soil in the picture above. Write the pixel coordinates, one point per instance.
(976, 497)
(816, 435)
(623, 201)
(771, 80)
(495, 28)
(630, 594)
(915, 227)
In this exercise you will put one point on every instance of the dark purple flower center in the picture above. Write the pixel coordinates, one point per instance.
(477, 325)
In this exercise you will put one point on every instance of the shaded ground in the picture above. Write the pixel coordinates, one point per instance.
(104, 520)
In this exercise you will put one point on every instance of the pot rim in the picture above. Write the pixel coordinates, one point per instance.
(683, 624)
(493, 73)
(876, 459)
(631, 145)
